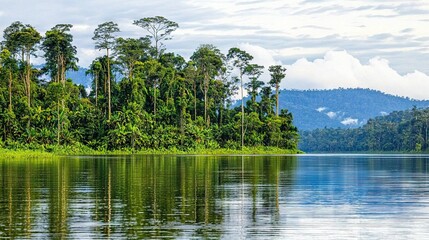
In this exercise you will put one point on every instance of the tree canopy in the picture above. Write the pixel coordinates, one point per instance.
(141, 95)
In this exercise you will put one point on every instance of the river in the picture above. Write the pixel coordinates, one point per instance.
(232, 197)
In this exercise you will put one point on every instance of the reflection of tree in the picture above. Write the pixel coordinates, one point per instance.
(139, 196)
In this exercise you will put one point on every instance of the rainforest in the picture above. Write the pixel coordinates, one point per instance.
(142, 95)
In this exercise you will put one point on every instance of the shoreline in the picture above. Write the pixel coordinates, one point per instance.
(70, 151)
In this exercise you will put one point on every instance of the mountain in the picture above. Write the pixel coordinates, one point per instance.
(79, 77)
(341, 108)
(400, 131)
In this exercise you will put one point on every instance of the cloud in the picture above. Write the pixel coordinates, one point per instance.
(350, 121)
(340, 69)
(274, 31)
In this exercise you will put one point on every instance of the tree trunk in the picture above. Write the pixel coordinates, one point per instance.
(130, 71)
(277, 100)
(10, 90)
(63, 78)
(154, 99)
(108, 87)
(96, 90)
(195, 101)
(63, 70)
(28, 85)
(206, 89)
(28, 80)
(182, 123)
(242, 112)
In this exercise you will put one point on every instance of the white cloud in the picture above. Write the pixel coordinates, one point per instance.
(273, 31)
(350, 121)
(384, 113)
(331, 115)
(321, 109)
(340, 69)
(262, 56)
(81, 28)
(88, 55)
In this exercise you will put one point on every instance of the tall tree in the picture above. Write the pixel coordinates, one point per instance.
(12, 40)
(23, 38)
(252, 87)
(95, 70)
(105, 39)
(129, 51)
(60, 54)
(240, 59)
(154, 72)
(209, 61)
(159, 29)
(8, 65)
(277, 74)
(191, 76)
(266, 103)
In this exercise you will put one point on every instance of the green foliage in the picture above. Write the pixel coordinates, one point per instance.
(60, 54)
(400, 131)
(159, 29)
(159, 104)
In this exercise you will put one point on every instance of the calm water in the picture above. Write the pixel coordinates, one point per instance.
(232, 197)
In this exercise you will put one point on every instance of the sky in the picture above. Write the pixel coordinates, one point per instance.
(324, 44)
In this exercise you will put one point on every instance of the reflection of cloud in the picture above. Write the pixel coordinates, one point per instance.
(350, 121)
(321, 109)
(331, 115)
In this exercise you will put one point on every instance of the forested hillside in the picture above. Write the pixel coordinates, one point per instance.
(400, 131)
(142, 96)
(341, 108)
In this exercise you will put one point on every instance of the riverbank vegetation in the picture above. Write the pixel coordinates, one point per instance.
(55, 151)
(400, 131)
(141, 97)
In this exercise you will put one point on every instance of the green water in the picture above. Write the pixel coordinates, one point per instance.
(230, 197)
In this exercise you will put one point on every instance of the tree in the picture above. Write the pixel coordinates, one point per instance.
(266, 104)
(12, 41)
(240, 59)
(252, 87)
(191, 76)
(154, 71)
(9, 66)
(60, 54)
(129, 51)
(159, 29)
(95, 70)
(209, 61)
(23, 38)
(277, 74)
(104, 39)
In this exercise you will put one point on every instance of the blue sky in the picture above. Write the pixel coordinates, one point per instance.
(381, 44)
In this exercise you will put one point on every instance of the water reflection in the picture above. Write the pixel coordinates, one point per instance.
(322, 196)
(142, 196)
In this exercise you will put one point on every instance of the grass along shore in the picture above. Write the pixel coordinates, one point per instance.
(56, 151)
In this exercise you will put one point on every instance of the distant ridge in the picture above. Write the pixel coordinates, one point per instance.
(79, 77)
(341, 108)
